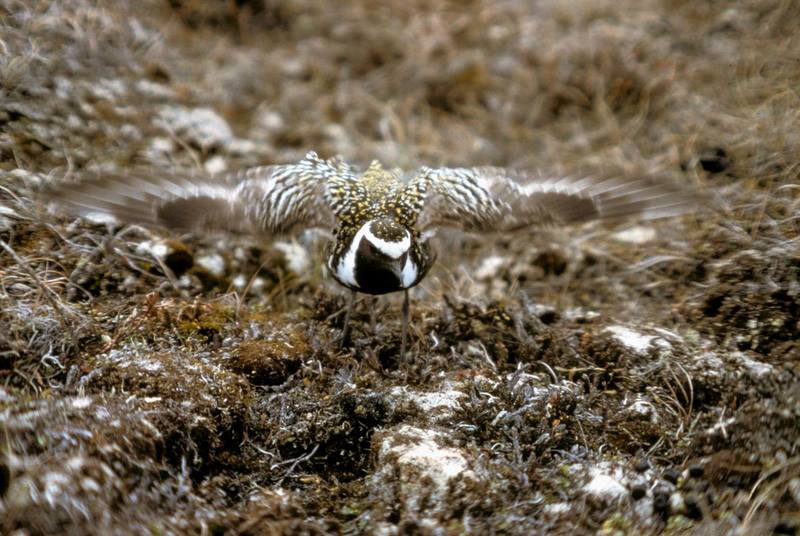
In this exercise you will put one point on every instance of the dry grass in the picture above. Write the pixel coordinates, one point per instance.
(142, 393)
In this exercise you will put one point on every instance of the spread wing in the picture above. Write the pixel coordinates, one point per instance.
(489, 199)
(271, 200)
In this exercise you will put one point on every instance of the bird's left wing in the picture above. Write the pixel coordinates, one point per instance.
(489, 199)
(268, 200)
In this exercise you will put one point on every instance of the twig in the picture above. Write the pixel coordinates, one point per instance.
(240, 298)
(295, 462)
(50, 296)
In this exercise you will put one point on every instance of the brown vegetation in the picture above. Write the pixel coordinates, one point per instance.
(635, 379)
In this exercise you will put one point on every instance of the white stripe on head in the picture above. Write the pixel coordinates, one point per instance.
(391, 249)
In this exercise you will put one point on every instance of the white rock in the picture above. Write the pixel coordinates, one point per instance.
(28, 177)
(102, 218)
(339, 138)
(633, 340)
(271, 121)
(241, 146)
(425, 468)
(186, 281)
(794, 490)
(153, 89)
(297, 258)
(258, 284)
(635, 235)
(540, 309)
(54, 485)
(643, 406)
(758, 369)
(214, 263)
(90, 485)
(489, 267)
(677, 503)
(156, 248)
(5, 396)
(644, 509)
(556, 508)
(82, 402)
(108, 89)
(63, 87)
(579, 313)
(160, 146)
(215, 165)
(604, 486)
(710, 364)
(242, 281)
(201, 125)
(434, 404)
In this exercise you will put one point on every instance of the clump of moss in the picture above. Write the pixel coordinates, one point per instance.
(336, 429)
(608, 356)
(151, 422)
(205, 319)
(502, 328)
(270, 361)
(201, 409)
(757, 294)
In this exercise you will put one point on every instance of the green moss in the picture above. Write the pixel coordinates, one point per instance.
(616, 525)
(205, 319)
(678, 525)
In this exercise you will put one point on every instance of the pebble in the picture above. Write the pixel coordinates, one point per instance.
(671, 475)
(696, 471)
(638, 492)
(661, 502)
(641, 465)
(714, 160)
(693, 507)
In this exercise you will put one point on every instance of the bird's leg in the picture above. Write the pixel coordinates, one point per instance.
(348, 314)
(404, 332)
(372, 316)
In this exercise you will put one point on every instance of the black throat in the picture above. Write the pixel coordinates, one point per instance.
(375, 273)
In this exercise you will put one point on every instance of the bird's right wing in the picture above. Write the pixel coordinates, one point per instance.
(267, 200)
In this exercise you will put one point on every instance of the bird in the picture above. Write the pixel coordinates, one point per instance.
(381, 220)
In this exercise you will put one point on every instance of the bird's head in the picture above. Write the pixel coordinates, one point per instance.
(384, 239)
(379, 260)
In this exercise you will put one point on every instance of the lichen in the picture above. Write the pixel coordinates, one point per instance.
(611, 379)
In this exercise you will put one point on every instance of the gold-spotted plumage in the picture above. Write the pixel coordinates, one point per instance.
(380, 220)
(378, 194)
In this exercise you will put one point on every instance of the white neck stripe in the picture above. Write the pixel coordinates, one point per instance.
(409, 274)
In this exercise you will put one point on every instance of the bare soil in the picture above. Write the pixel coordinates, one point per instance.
(636, 379)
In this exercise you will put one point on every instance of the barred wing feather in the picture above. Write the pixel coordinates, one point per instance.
(491, 199)
(270, 200)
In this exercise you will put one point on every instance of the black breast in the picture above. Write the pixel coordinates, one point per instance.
(374, 272)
